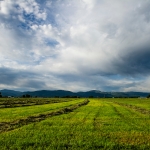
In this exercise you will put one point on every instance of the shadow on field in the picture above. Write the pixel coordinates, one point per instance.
(7, 126)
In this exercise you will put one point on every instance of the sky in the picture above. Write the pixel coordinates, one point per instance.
(75, 45)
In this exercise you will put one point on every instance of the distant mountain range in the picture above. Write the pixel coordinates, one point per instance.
(63, 93)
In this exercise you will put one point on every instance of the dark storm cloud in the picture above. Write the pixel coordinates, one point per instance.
(136, 62)
(24, 79)
(7, 76)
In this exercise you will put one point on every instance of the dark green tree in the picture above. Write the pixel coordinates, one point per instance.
(23, 96)
(91, 96)
(0, 94)
(27, 95)
(148, 96)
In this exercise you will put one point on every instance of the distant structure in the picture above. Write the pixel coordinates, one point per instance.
(10, 97)
(140, 97)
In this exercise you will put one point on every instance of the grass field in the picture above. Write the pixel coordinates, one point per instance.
(10, 114)
(21, 102)
(101, 124)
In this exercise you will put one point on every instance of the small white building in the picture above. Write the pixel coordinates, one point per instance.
(10, 97)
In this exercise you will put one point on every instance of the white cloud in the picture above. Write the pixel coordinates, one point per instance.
(76, 38)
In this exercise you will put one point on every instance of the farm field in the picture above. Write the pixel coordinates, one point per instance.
(98, 124)
(21, 102)
(10, 114)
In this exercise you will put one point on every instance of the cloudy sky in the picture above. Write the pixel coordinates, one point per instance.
(75, 45)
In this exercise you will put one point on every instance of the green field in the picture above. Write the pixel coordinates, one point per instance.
(10, 114)
(99, 124)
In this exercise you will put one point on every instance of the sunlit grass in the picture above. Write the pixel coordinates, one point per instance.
(10, 114)
(101, 124)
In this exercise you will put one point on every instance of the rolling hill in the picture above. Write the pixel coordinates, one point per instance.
(63, 93)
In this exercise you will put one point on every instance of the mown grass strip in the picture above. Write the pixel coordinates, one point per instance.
(7, 126)
(23, 102)
(136, 108)
(11, 114)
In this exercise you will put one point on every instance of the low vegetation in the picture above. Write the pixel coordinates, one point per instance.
(11, 114)
(98, 124)
(7, 126)
(20, 102)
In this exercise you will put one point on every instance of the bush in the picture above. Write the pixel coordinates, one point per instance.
(148, 96)
(0, 94)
